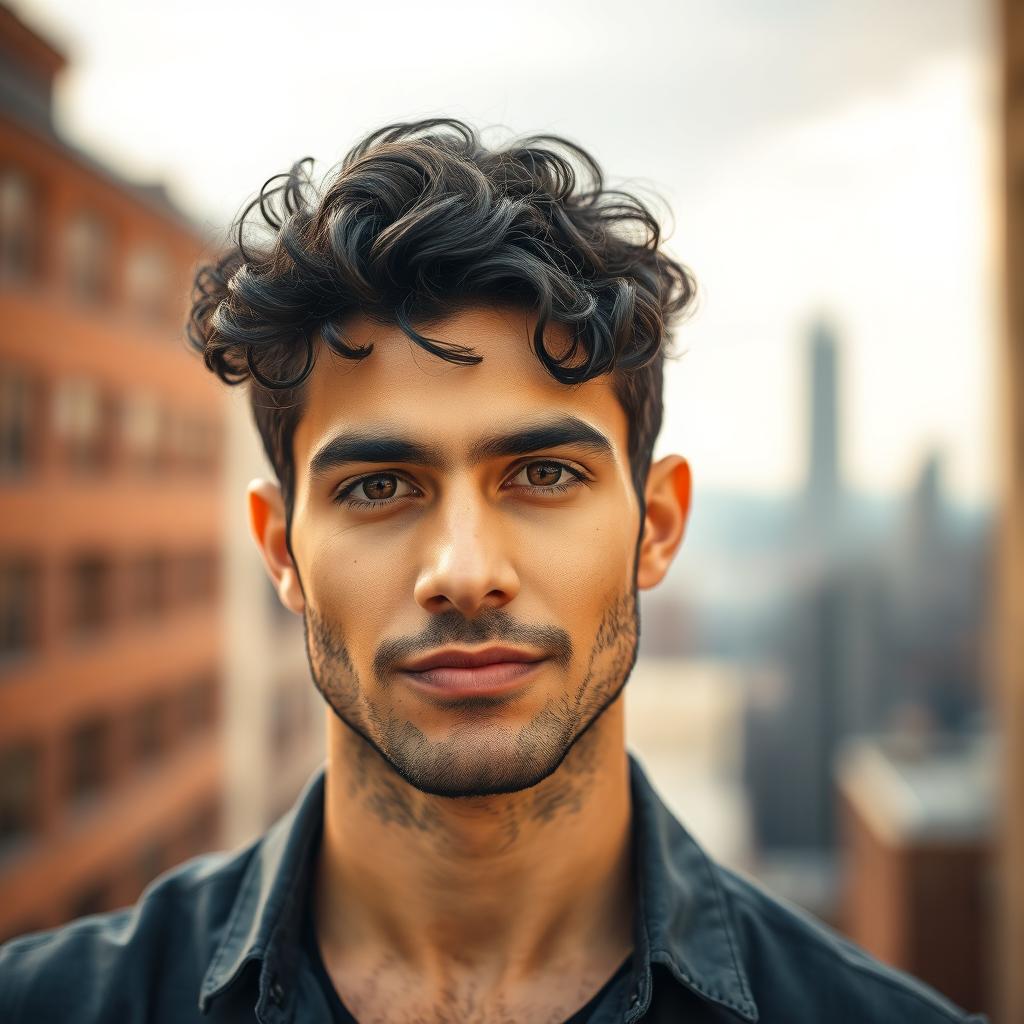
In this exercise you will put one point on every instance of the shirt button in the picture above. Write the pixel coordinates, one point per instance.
(276, 993)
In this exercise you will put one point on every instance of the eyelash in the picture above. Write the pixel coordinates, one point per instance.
(344, 497)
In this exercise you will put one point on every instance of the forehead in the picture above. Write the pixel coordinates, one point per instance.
(403, 388)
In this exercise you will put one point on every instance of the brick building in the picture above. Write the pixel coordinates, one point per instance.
(111, 439)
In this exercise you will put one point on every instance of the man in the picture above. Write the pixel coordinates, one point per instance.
(454, 356)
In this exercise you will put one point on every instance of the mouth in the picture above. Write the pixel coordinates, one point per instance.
(490, 672)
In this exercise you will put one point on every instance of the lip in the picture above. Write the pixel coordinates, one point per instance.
(491, 671)
(453, 657)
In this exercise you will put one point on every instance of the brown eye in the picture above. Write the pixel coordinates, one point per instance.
(379, 488)
(545, 479)
(543, 474)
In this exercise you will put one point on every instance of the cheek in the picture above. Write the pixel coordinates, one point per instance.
(356, 586)
(583, 563)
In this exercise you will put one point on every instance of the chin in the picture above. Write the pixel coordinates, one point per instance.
(470, 785)
(487, 762)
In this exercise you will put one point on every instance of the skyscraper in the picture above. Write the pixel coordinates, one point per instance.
(823, 491)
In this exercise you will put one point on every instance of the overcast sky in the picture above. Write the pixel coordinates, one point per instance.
(820, 157)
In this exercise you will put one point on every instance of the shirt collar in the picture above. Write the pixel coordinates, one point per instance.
(682, 922)
(263, 927)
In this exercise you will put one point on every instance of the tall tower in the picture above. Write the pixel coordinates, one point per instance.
(823, 488)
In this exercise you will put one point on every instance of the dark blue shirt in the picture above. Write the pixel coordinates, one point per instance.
(219, 939)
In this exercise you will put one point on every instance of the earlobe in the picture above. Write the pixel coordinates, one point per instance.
(268, 526)
(667, 496)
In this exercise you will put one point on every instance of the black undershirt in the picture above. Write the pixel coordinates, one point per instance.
(340, 1015)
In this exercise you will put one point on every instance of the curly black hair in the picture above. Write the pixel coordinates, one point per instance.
(419, 219)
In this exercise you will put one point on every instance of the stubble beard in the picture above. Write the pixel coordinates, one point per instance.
(482, 755)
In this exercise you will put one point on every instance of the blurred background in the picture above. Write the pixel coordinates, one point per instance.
(829, 693)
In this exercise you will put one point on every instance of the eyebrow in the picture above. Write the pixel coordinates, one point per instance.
(379, 446)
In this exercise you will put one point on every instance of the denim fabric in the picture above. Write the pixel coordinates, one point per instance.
(218, 939)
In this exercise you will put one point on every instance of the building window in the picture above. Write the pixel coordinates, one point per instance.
(18, 398)
(142, 431)
(89, 595)
(79, 423)
(88, 766)
(148, 585)
(147, 732)
(199, 705)
(17, 230)
(147, 281)
(19, 797)
(87, 246)
(19, 606)
(198, 577)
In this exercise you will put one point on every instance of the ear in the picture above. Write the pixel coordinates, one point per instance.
(269, 529)
(667, 495)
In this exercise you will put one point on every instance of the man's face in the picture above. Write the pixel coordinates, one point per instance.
(445, 510)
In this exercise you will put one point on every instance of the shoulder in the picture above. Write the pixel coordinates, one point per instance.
(108, 967)
(799, 969)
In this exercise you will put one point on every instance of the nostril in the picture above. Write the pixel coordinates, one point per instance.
(466, 588)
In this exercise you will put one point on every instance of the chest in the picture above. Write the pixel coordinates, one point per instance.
(389, 992)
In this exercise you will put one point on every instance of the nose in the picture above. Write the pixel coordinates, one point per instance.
(467, 567)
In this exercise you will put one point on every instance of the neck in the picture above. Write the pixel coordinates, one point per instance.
(499, 884)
